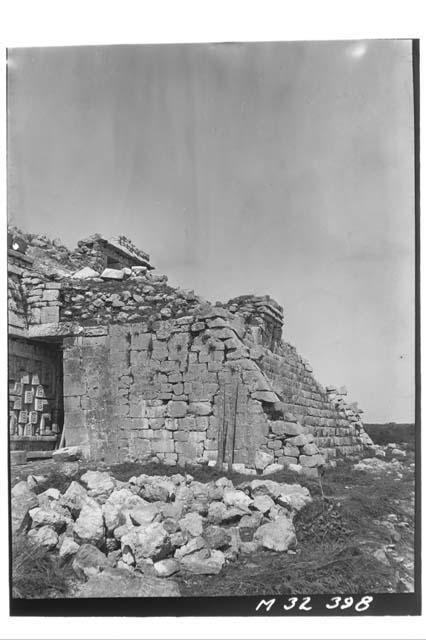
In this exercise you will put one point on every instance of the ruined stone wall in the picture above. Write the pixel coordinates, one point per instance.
(152, 370)
(192, 389)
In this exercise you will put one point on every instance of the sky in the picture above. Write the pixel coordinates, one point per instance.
(268, 168)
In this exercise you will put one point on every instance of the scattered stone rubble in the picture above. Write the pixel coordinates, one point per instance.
(155, 526)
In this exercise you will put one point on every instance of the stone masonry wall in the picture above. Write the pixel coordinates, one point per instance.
(153, 370)
(184, 389)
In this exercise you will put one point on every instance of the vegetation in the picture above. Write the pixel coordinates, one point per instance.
(37, 573)
(383, 434)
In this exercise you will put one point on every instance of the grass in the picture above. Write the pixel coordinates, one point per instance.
(37, 573)
(383, 434)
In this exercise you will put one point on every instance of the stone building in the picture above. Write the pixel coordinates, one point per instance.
(106, 355)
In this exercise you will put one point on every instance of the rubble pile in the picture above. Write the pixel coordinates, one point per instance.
(156, 525)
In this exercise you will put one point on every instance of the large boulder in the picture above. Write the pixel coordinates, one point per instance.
(89, 526)
(23, 500)
(89, 561)
(278, 535)
(120, 583)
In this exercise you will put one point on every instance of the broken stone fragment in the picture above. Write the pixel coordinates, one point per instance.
(85, 274)
(204, 562)
(278, 535)
(98, 482)
(67, 454)
(238, 499)
(112, 274)
(192, 523)
(262, 459)
(151, 541)
(69, 547)
(41, 517)
(89, 526)
(194, 544)
(272, 468)
(45, 537)
(89, 561)
(166, 568)
(263, 503)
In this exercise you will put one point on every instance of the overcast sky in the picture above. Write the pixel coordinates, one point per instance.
(279, 168)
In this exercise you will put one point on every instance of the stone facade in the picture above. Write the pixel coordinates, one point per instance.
(152, 370)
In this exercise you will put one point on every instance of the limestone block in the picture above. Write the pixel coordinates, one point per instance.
(301, 440)
(287, 460)
(311, 461)
(291, 451)
(310, 449)
(112, 274)
(200, 408)
(177, 409)
(263, 459)
(264, 396)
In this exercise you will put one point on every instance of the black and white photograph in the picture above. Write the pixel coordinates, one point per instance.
(213, 367)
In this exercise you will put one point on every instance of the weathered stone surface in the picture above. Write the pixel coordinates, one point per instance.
(98, 482)
(263, 503)
(236, 498)
(272, 468)
(278, 536)
(192, 523)
(89, 526)
(204, 562)
(119, 583)
(89, 561)
(67, 454)
(151, 541)
(195, 544)
(217, 537)
(68, 548)
(85, 274)
(45, 537)
(166, 568)
(74, 497)
(41, 517)
(300, 441)
(23, 499)
(311, 460)
(112, 274)
(263, 459)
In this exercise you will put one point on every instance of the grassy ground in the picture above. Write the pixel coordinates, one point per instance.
(337, 534)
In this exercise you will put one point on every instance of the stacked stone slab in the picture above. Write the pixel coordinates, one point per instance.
(155, 371)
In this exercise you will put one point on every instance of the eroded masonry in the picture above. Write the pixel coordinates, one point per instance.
(106, 355)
